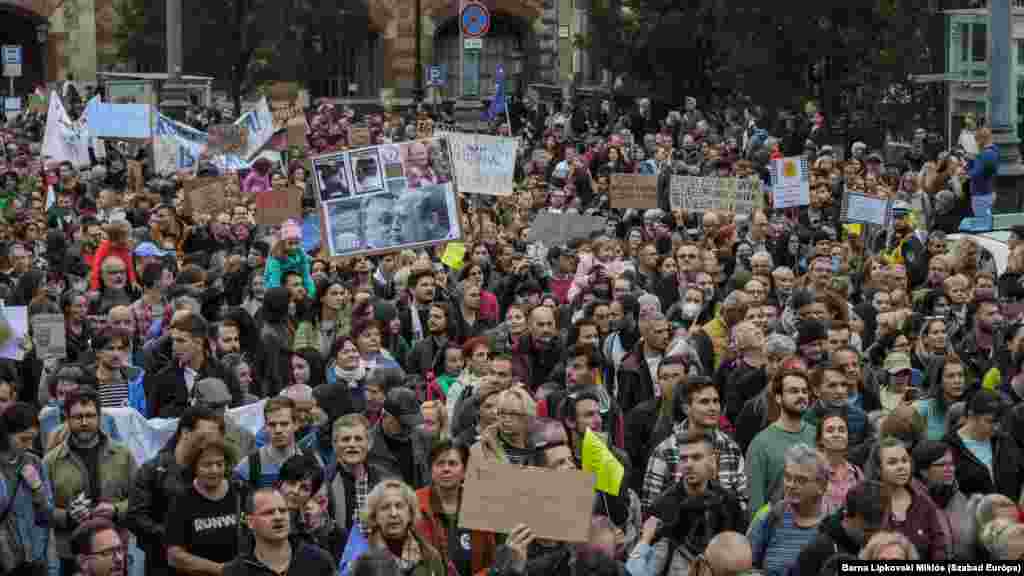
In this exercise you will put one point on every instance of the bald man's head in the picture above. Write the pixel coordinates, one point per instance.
(729, 553)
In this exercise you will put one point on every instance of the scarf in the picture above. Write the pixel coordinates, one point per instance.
(417, 324)
(351, 377)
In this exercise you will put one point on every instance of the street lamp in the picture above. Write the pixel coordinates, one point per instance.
(42, 35)
(42, 32)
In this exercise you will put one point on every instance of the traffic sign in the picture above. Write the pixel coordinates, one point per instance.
(12, 60)
(436, 75)
(476, 20)
(473, 43)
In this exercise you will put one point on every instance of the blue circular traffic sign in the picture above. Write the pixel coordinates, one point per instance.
(476, 20)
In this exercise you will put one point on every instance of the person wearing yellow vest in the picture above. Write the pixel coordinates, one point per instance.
(905, 247)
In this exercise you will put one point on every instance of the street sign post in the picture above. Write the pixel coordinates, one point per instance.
(474, 24)
(12, 63)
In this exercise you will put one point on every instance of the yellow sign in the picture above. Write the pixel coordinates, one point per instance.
(789, 169)
(607, 469)
(454, 255)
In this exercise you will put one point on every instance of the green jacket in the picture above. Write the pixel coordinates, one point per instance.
(69, 478)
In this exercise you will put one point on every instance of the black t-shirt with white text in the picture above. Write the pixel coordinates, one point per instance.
(203, 527)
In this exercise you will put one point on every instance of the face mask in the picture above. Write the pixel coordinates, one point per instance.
(691, 310)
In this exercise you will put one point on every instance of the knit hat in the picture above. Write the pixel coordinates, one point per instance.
(291, 230)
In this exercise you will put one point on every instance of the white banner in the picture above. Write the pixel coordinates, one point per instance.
(698, 194)
(791, 182)
(64, 140)
(260, 123)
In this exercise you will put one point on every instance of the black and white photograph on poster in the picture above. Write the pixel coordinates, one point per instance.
(332, 176)
(395, 215)
(427, 162)
(386, 222)
(367, 170)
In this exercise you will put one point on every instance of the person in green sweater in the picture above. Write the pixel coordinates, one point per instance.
(765, 457)
(287, 255)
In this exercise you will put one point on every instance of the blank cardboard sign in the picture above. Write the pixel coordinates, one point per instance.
(555, 504)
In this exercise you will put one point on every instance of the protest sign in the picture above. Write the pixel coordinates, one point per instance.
(697, 194)
(228, 139)
(123, 121)
(176, 146)
(454, 255)
(607, 469)
(17, 319)
(553, 229)
(633, 191)
(555, 504)
(865, 209)
(483, 164)
(48, 336)
(791, 182)
(64, 140)
(278, 204)
(296, 132)
(207, 195)
(259, 123)
(359, 136)
(387, 198)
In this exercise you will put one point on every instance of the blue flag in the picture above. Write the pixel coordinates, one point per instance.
(498, 103)
(354, 548)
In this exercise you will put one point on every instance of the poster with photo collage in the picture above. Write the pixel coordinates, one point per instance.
(388, 197)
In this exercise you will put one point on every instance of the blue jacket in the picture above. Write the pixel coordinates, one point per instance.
(32, 522)
(983, 169)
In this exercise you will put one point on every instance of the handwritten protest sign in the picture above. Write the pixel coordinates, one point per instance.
(791, 182)
(555, 504)
(228, 139)
(359, 136)
(607, 469)
(865, 209)
(697, 194)
(17, 319)
(278, 204)
(48, 336)
(483, 164)
(207, 195)
(634, 191)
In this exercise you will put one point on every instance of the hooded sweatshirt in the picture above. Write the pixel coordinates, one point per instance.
(297, 261)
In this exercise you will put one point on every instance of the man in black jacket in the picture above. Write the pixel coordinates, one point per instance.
(266, 514)
(987, 461)
(169, 391)
(697, 507)
(847, 531)
(163, 478)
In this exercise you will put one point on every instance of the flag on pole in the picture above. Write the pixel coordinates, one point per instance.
(498, 102)
(354, 548)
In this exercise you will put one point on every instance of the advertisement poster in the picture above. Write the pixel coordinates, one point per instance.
(388, 197)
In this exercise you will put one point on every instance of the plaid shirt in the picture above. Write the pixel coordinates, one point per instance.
(663, 467)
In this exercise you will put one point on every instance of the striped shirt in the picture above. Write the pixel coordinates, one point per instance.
(114, 394)
(777, 546)
(663, 466)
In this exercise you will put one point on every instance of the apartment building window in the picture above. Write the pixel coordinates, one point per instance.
(979, 41)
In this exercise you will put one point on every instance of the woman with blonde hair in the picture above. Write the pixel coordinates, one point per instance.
(392, 511)
(509, 439)
(889, 546)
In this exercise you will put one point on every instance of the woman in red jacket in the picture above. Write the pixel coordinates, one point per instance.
(116, 244)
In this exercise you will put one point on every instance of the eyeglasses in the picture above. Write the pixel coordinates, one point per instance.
(108, 553)
(511, 414)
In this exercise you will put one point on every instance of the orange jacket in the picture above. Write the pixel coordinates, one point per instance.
(431, 528)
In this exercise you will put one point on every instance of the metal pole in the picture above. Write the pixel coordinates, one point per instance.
(1000, 78)
(174, 50)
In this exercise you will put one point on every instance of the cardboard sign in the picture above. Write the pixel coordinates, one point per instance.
(207, 195)
(359, 136)
(228, 139)
(136, 180)
(48, 336)
(297, 132)
(700, 194)
(279, 204)
(634, 191)
(483, 164)
(555, 504)
(554, 229)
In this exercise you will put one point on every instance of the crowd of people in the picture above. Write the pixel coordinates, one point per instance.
(785, 391)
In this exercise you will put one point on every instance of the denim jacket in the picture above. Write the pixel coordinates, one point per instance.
(31, 514)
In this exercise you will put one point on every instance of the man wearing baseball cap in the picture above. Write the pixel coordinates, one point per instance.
(398, 443)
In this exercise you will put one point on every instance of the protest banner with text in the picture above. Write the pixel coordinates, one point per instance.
(791, 182)
(703, 194)
(278, 204)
